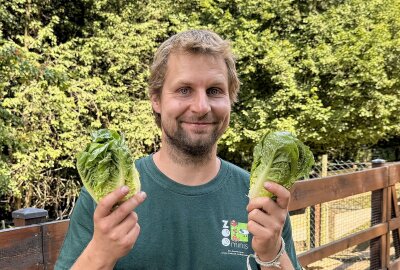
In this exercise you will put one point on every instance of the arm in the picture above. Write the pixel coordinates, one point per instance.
(115, 232)
(266, 220)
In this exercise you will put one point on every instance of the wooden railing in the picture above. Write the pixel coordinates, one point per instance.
(381, 182)
(37, 246)
(32, 247)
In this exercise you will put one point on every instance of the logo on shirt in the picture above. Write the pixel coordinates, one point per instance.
(235, 237)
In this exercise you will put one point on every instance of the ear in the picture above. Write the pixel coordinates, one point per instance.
(155, 103)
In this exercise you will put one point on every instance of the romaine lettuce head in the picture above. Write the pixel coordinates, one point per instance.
(279, 157)
(106, 164)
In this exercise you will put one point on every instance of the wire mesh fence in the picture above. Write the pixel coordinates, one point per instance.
(337, 167)
(324, 223)
(353, 258)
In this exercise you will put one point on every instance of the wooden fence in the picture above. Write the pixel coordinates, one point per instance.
(33, 246)
(37, 246)
(385, 212)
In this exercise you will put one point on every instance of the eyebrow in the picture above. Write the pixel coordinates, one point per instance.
(216, 82)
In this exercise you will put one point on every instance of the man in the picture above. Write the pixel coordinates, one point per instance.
(196, 214)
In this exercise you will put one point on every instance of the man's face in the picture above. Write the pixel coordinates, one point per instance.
(194, 103)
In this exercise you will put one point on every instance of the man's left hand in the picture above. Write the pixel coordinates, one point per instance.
(266, 220)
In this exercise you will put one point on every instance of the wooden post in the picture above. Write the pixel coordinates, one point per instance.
(377, 250)
(395, 213)
(29, 216)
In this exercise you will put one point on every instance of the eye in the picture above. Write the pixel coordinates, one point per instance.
(213, 91)
(184, 90)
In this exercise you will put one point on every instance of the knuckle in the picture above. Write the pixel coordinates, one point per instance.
(253, 214)
(104, 227)
(102, 203)
(286, 193)
(268, 201)
(130, 204)
(127, 244)
(134, 201)
(130, 241)
(268, 234)
(275, 227)
(259, 200)
(131, 220)
(124, 208)
(114, 237)
(286, 196)
(250, 225)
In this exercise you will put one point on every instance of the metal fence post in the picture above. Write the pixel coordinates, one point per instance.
(377, 211)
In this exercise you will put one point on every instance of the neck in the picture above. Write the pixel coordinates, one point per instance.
(187, 170)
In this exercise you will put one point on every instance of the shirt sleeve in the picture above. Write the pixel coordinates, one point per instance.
(290, 249)
(80, 231)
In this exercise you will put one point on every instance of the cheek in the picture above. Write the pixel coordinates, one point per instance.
(223, 108)
(223, 112)
(172, 111)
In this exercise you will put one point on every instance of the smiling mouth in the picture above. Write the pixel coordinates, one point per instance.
(199, 124)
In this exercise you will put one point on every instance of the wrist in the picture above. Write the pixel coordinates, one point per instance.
(104, 260)
(95, 258)
(273, 253)
(275, 262)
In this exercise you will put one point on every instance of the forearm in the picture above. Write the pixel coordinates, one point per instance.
(286, 264)
(92, 259)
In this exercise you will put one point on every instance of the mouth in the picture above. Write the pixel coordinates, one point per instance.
(199, 122)
(198, 125)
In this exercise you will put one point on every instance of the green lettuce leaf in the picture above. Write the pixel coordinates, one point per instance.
(106, 164)
(279, 157)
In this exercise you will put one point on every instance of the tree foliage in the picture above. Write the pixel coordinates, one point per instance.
(327, 71)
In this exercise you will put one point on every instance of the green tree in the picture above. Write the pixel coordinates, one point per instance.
(325, 70)
(60, 92)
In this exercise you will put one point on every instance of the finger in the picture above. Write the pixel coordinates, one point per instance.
(132, 235)
(119, 214)
(267, 221)
(261, 233)
(105, 205)
(128, 223)
(267, 206)
(281, 193)
(257, 230)
(259, 203)
(260, 217)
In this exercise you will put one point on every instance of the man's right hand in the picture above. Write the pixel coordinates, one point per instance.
(115, 232)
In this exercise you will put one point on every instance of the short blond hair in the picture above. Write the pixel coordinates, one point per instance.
(196, 42)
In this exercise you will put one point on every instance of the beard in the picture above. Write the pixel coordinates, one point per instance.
(196, 148)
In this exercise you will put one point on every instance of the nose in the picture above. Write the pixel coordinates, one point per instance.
(201, 103)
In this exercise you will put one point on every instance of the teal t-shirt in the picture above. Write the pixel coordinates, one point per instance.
(182, 227)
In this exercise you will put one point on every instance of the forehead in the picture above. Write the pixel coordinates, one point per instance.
(196, 67)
